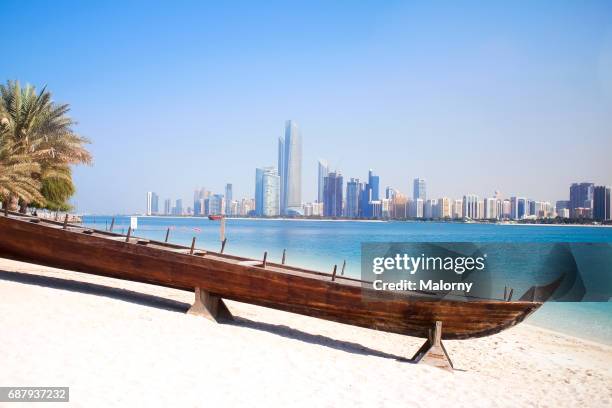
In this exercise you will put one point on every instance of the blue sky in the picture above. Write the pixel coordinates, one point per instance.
(472, 96)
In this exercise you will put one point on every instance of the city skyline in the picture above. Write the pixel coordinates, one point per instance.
(277, 193)
(473, 98)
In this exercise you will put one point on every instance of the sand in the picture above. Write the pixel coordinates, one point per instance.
(117, 343)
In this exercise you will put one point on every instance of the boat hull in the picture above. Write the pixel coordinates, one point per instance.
(230, 277)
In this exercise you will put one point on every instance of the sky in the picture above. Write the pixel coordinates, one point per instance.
(471, 96)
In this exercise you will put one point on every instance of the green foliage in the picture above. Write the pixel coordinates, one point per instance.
(38, 146)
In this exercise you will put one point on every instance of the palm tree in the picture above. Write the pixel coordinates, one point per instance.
(41, 129)
(16, 180)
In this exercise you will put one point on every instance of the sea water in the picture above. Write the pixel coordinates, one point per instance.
(322, 244)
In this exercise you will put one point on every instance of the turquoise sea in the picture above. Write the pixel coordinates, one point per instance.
(322, 244)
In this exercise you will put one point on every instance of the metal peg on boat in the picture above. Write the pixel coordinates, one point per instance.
(167, 235)
(127, 237)
(223, 244)
(265, 259)
(192, 246)
(343, 267)
(284, 256)
(334, 273)
(112, 224)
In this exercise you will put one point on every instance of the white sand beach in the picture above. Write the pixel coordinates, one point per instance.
(117, 343)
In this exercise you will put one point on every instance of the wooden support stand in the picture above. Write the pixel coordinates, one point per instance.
(433, 351)
(210, 306)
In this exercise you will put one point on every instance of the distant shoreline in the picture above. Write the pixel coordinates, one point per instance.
(351, 220)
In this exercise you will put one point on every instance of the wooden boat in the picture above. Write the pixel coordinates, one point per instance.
(279, 286)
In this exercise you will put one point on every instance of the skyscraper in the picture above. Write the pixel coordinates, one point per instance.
(365, 209)
(444, 208)
(152, 203)
(519, 208)
(374, 182)
(353, 192)
(290, 169)
(419, 189)
(323, 171)
(470, 206)
(332, 197)
(581, 196)
(267, 192)
(271, 194)
(399, 202)
(167, 206)
(457, 209)
(178, 209)
(216, 204)
(601, 203)
(370, 193)
(228, 198)
(430, 208)
(490, 208)
(416, 208)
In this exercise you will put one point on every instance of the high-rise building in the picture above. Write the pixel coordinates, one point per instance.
(430, 208)
(581, 196)
(470, 206)
(418, 189)
(233, 208)
(322, 172)
(390, 192)
(490, 208)
(601, 203)
(167, 206)
(385, 207)
(365, 208)
(519, 208)
(152, 203)
(315, 209)
(507, 209)
(370, 192)
(562, 205)
(149, 200)
(374, 182)
(377, 207)
(444, 208)
(290, 169)
(216, 204)
(229, 197)
(480, 209)
(457, 209)
(332, 195)
(267, 192)
(178, 208)
(499, 208)
(246, 207)
(353, 192)
(563, 213)
(399, 204)
(541, 209)
(199, 201)
(415, 208)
